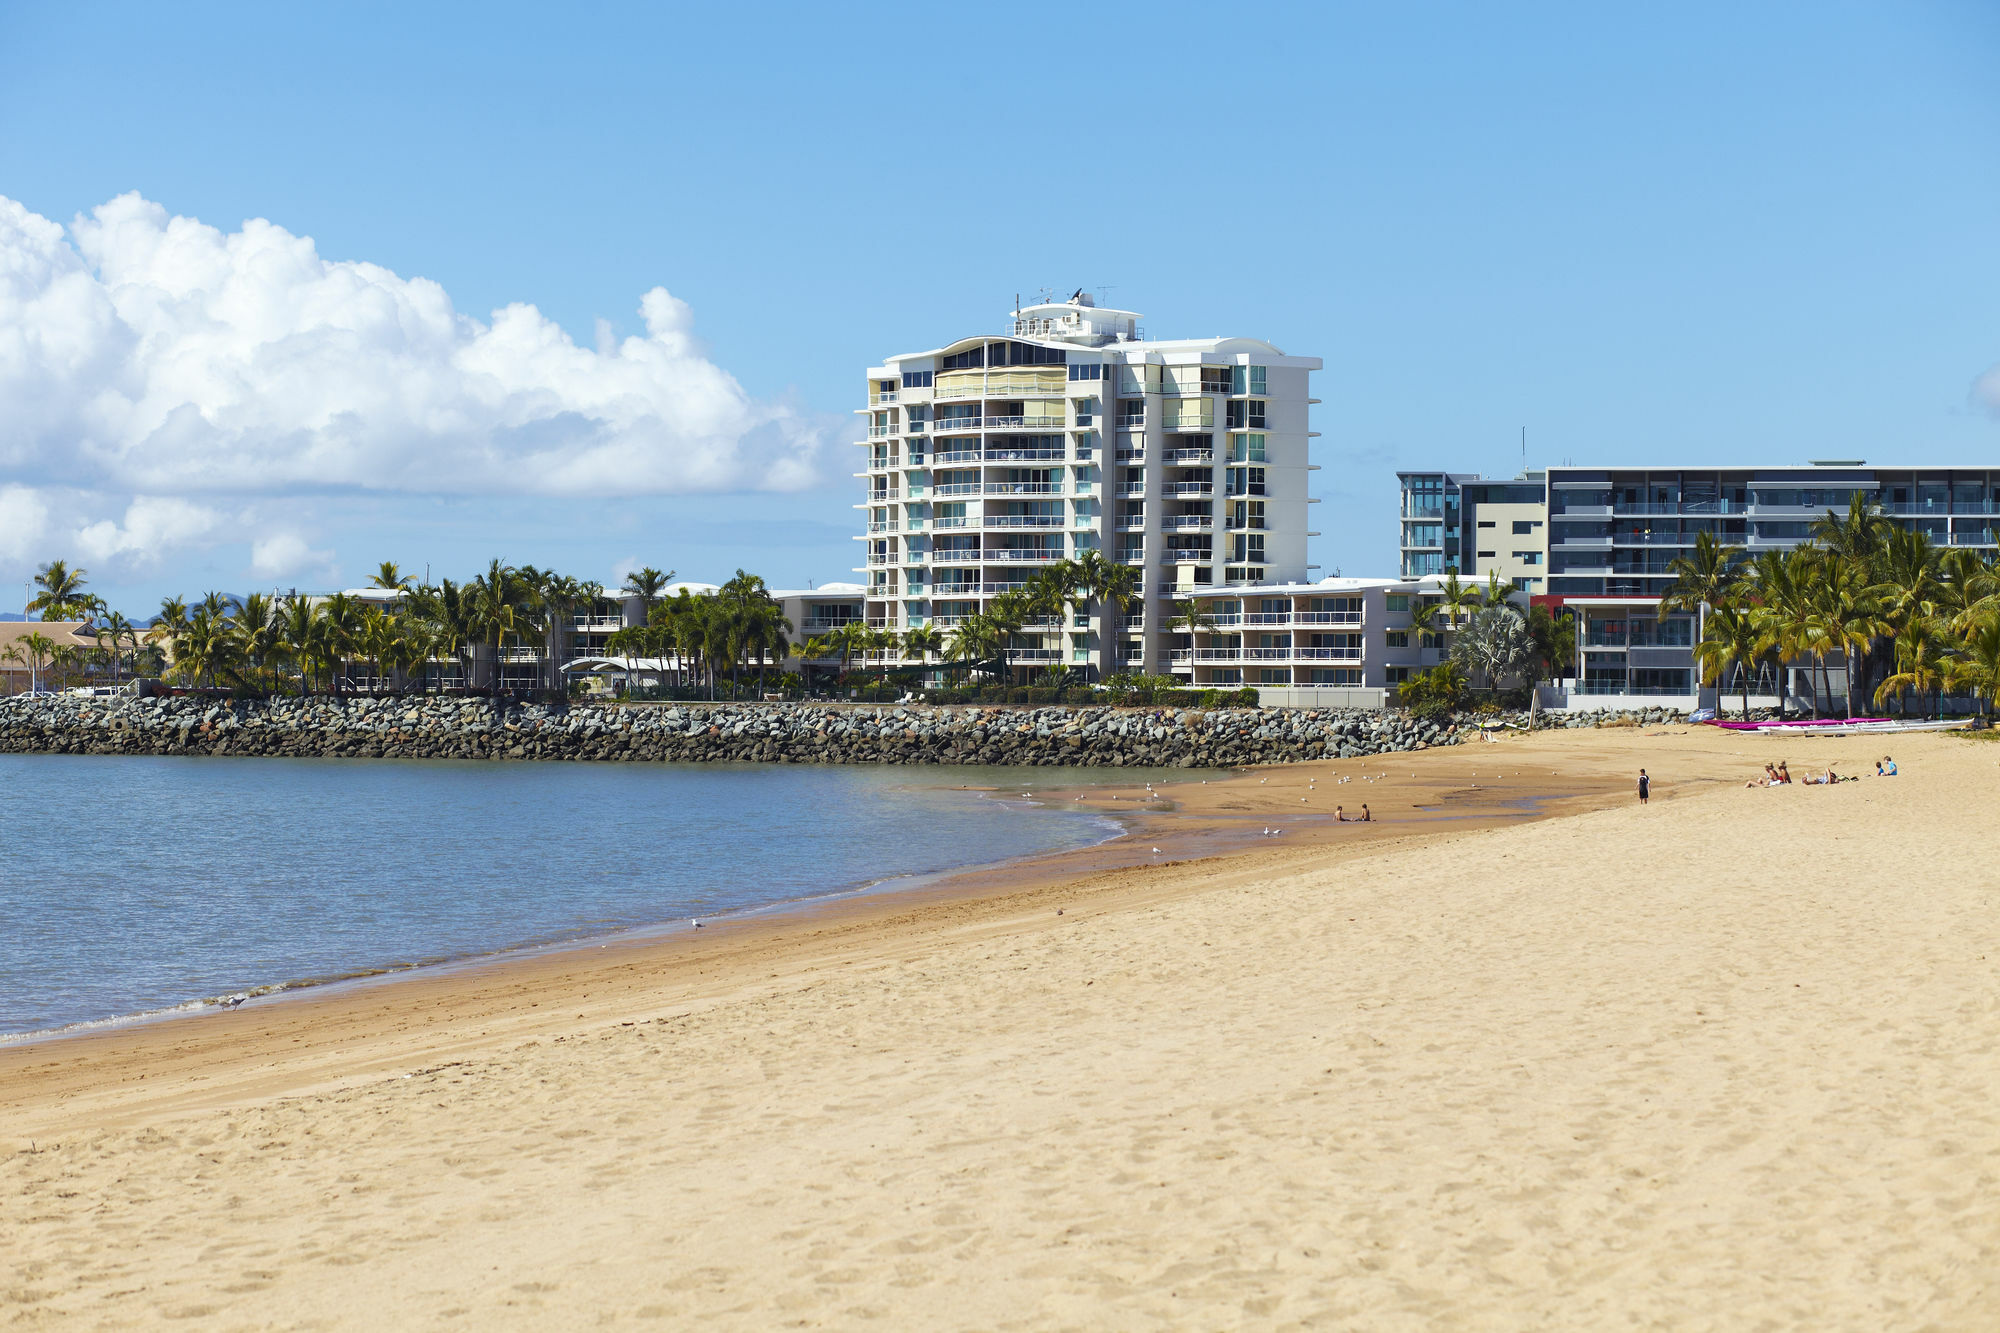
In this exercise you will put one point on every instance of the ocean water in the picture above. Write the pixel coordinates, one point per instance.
(136, 885)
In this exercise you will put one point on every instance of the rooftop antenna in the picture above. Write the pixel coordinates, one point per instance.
(1524, 448)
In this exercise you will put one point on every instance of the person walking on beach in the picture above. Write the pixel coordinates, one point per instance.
(1645, 786)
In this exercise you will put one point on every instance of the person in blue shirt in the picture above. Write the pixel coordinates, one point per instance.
(1886, 768)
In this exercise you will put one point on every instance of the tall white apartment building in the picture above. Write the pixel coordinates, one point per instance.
(995, 456)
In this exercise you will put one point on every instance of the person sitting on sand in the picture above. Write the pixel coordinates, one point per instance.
(1886, 769)
(1770, 778)
(1784, 774)
(1366, 818)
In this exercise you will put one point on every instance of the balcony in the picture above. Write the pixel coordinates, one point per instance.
(1136, 454)
(881, 397)
(884, 496)
(1132, 556)
(1024, 488)
(999, 589)
(1328, 618)
(1201, 489)
(1130, 488)
(1651, 539)
(1188, 523)
(955, 557)
(1268, 618)
(952, 521)
(1131, 421)
(890, 526)
(1024, 521)
(1562, 543)
(1025, 554)
(880, 432)
(958, 488)
(1189, 456)
(1268, 654)
(596, 624)
(1025, 423)
(1352, 655)
(1003, 454)
(1131, 523)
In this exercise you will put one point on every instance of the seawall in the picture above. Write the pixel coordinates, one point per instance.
(441, 728)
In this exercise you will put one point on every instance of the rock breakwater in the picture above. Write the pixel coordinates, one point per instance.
(449, 728)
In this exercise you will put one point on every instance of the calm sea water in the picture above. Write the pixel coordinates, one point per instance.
(132, 885)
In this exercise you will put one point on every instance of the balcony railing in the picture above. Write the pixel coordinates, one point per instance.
(1188, 523)
(1024, 521)
(1033, 554)
(1136, 454)
(596, 624)
(1267, 618)
(1327, 654)
(958, 488)
(1131, 523)
(1131, 488)
(1004, 454)
(879, 397)
(1131, 421)
(1328, 617)
(1194, 488)
(891, 526)
(954, 557)
(1187, 456)
(1024, 488)
(952, 521)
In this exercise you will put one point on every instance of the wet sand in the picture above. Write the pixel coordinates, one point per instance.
(1519, 1054)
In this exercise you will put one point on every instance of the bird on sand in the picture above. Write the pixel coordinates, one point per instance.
(696, 924)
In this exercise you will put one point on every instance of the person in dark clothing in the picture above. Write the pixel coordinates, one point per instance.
(1645, 786)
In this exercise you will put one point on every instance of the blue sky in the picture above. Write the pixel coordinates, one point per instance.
(1705, 232)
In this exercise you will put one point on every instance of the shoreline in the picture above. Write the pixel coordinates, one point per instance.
(1211, 829)
(499, 956)
(1693, 1064)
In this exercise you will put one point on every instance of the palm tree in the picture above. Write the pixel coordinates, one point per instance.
(1702, 579)
(113, 629)
(1004, 615)
(1496, 593)
(647, 584)
(1859, 537)
(62, 595)
(500, 599)
(1495, 641)
(1978, 665)
(388, 575)
(921, 642)
(1457, 600)
(257, 632)
(1920, 662)
(555, 599)
(1775, 583)
(1731, 637)
(295, 636)
(974, 638)
(34, 651)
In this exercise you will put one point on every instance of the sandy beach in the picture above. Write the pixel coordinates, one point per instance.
(1519, 1055)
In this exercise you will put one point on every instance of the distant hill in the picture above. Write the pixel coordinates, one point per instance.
(11, 615)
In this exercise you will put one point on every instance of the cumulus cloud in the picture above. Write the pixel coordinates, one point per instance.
(154, 526)
(284, 554)
(143, 354)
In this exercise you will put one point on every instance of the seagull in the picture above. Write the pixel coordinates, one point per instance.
(696, 924)
(1156, 851)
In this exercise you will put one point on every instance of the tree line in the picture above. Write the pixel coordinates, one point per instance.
(1904, 616)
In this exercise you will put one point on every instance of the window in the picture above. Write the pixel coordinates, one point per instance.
(1028, 354)
(917, 379)
(1525, 527)
(1246, 514)
(1397, 638)
(1247, 413)
(1246, 379)
(1398, 674)
(1093, 371)
(967, 360)
(1423, 534)
(1528, 557)
(1246, 546)
(1246, 448)
(1486, 555)
(1246, 481)
(1399, 602)
(1485, 522)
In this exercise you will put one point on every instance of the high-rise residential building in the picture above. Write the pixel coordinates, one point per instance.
(1475, 527)
(994, 456)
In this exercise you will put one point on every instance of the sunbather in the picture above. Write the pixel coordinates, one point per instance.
(1770, 778)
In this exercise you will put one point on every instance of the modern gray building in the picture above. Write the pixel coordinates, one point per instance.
(1475, 527)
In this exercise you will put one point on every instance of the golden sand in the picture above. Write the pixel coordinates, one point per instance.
(1728, 1061)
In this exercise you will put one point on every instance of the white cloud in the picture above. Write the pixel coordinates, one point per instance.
(145, 354)
(154, 527)
(24, 518)
(284, 554)
(1986, 390)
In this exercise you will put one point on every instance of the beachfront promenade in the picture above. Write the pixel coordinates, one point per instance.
(1726, 1061)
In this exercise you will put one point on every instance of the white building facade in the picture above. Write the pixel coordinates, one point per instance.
(992, 457)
